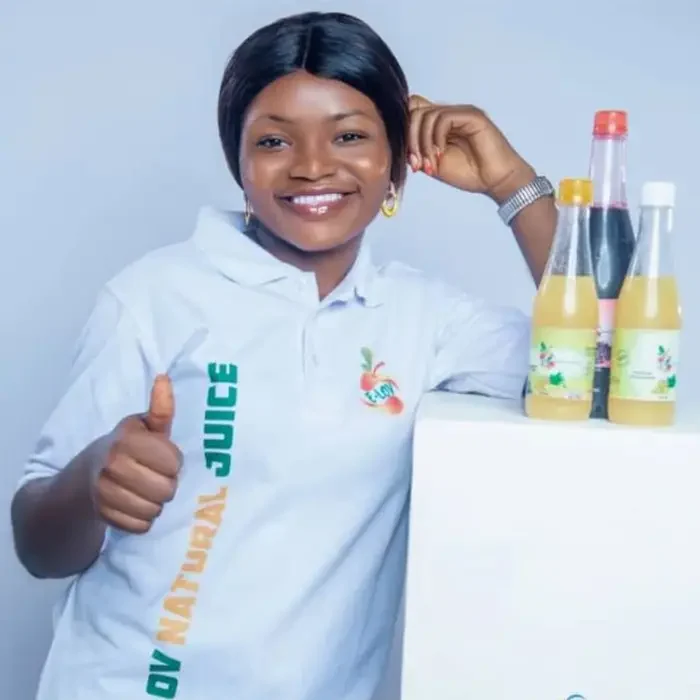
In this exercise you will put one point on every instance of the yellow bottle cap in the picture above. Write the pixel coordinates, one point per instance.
(576, 192)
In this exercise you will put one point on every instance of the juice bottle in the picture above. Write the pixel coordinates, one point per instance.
(646, 342)
(565, 316)
(612, 237)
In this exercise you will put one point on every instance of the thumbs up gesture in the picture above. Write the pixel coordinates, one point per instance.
(139, 474)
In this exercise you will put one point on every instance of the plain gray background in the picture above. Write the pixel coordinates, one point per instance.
(108, 147)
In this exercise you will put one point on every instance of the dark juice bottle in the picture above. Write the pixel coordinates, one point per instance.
(612, 238)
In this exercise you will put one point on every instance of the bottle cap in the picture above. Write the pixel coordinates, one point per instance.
(658, 194)
(610, 122)
(576, 192)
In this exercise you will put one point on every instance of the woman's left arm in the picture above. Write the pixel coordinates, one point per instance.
(533, 226)
(460, 146)
(479, 348)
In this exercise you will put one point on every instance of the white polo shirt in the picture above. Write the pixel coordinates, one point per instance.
(277, 571)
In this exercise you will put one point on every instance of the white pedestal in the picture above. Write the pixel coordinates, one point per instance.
(548, 560)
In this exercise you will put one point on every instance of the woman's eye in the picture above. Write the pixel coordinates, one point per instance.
(270, 142)
(350, 136)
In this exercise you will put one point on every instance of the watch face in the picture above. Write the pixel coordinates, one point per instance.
(547, 186)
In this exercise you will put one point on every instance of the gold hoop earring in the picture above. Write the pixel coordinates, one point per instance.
(248, 213)
(391, 204)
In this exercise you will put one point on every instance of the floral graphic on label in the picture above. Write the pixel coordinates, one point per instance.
(664, 364)
(379, 390)
(562, 362)
(644, 365)
(549, 365)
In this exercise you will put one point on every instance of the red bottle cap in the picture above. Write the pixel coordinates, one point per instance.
(610, 122)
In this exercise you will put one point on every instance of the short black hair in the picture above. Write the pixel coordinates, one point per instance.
(329, 45)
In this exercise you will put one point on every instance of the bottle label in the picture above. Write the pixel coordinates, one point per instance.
(606, 328)
(644, 365)
(562, 362)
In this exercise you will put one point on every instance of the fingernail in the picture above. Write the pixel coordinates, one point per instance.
(427, 167)
(413, 160)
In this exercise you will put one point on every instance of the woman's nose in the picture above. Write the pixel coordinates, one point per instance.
(313, 162)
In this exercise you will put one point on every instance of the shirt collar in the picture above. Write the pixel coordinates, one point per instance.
(218, 234)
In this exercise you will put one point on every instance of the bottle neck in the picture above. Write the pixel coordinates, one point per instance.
(608, 170)
(653, 255)
(571, 249)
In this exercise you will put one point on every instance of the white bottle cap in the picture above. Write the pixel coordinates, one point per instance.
(658, 194)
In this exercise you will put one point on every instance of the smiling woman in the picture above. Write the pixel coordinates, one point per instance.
(228, 474)
(316, 161)
(315, 135)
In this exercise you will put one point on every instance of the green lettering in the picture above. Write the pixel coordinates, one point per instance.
(219, 422)
(160, 686)
(163, 663)
(219, 461)
(220, 416)
(386, 390)
(223, 439)
(216, 401)
(223, 374)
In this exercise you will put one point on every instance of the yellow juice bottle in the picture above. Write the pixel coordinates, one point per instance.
(643, 373)
(565, 316)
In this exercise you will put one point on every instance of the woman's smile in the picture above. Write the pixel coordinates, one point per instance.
(317, 205)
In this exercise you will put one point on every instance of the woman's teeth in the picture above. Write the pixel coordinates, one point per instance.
(317, 199)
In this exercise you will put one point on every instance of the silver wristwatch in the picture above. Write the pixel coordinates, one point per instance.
(526, 195)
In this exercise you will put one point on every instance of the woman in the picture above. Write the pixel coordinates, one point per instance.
(228, 473)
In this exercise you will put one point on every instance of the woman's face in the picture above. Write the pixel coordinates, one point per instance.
(315, 161)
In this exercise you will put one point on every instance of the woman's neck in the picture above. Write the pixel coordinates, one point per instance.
(330, 267)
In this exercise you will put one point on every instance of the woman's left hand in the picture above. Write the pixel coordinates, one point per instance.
(461, 146)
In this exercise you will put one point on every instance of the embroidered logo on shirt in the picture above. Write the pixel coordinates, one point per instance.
(379, 390)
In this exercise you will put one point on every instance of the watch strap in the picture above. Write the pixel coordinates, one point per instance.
(523, 197)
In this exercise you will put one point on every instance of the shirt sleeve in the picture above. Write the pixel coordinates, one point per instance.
(480, 348)
(108, 381)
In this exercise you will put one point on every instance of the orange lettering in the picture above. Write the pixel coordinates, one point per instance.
(212, 513)
(179, 605)
(202, 537)
(198, 559)
(221, 496)
(172, 631)
(181, 583)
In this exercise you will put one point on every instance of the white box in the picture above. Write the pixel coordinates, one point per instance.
(548, 560)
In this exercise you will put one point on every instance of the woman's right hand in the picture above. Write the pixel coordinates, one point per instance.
(139, 475)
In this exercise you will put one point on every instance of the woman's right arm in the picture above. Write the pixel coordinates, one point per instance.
(57, 528)
(122, 479)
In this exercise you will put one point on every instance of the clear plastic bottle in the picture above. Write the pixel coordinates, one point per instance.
(648, 321)
(612, 237)
(565, 316)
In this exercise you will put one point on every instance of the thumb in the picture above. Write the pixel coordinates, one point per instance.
(159, 417)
